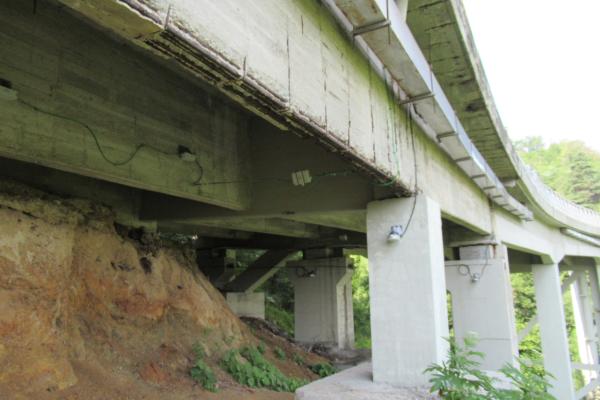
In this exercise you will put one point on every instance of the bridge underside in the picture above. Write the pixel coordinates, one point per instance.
(86, 111)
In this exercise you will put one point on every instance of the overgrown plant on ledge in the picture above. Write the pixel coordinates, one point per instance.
(460, 377)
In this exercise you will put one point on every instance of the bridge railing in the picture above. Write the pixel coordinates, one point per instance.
(555, 201)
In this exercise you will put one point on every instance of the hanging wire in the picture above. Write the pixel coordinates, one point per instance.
(116, 163)
(332, 174)
(415, 169)
(465, 270)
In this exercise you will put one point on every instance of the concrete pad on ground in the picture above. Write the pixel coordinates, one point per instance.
(357, 384)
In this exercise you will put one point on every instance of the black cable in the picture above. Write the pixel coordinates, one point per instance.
(415, 167)
(332, 174)
(120, 163)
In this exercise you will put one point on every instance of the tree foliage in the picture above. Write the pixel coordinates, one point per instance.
(569, 167)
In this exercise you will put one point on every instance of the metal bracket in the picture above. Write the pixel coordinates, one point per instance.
(445, 135)
(361, 30)
(416, 98)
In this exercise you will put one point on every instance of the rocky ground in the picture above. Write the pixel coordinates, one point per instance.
(91, 312)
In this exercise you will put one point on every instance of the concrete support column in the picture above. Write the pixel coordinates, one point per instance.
(555, 347)
(323, 310)
(409, 317)
(482, 303)
(584, 324)
(250, 304)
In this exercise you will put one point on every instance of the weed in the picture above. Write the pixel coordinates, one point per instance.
(298, 360)
(229, 340)
(249, 367)
(323, 369)
(279, 353)
(261, 347)
(459, 378)
(201, 372)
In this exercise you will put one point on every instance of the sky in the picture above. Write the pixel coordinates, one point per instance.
(542, 60)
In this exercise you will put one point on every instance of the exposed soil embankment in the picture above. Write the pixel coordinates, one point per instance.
(86, 313)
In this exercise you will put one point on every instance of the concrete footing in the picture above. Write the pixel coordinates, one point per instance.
(357, 384)
(247, 304)
(323, 301)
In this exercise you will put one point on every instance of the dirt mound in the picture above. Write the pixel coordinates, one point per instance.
(88, 314)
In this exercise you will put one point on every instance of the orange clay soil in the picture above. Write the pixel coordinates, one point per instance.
(88, 314)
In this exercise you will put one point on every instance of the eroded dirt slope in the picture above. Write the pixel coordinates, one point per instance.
(88, 314)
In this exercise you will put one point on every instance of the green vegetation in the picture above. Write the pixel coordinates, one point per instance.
(570, 168)
(323, 369)
(201, 372)
(361, 303)
(459, 378)
(298, 360)
(280, 354)
(573, 171)
(249, 367)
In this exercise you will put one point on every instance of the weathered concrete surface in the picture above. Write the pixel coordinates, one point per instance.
(323, 310)
(91, 88)
(247, 304)
(538, 238)
(407, 287)
(357, 384)
(553, 331)
(474, 303)
(336, 96)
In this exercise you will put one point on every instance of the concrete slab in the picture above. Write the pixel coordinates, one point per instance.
(357, 384)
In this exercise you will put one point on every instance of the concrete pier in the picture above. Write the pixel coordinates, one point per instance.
(323, 301)
(553, 331)
(409, 318)
(480, 287)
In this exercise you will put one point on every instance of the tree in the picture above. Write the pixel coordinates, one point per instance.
(568, 167)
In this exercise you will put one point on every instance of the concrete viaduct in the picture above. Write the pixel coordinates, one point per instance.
(332, 127)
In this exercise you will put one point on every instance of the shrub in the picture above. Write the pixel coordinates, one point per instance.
(459, 378)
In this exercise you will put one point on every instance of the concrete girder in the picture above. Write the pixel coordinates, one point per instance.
(89, 106)
(334, 108)
(342, 239)
(259, 271)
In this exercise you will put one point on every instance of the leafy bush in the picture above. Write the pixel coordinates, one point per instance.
(459, 378)
(323, 369)
(249, 367)
(201, 372)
